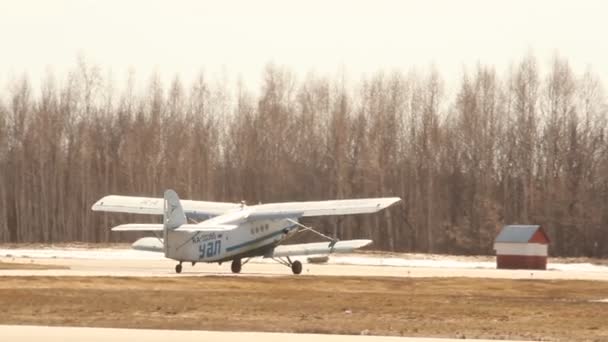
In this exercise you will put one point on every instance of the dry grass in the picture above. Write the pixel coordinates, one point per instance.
(449, 307)
(29, 266)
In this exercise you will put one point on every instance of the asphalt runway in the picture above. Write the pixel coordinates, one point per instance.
(68, 334)
(165, 268)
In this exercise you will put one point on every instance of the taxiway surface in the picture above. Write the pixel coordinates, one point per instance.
(122, 263)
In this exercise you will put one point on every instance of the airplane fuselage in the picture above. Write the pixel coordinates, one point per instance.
(249, 239)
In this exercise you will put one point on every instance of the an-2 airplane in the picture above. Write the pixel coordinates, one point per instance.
(233, 232)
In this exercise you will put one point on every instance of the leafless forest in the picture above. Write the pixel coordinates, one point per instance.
(525, 146)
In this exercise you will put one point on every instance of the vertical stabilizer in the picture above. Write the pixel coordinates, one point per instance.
(173, 217)
(173, 213)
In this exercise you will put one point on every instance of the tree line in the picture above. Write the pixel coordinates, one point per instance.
(522, 147)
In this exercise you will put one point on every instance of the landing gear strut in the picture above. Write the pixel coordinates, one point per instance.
(236, 266)
(178, 268)
(296, 266)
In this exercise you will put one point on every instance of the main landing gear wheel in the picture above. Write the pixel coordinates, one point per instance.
(296, 267)
(178, 268)
(236, 266)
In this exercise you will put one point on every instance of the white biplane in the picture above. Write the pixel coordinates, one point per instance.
(232, 232)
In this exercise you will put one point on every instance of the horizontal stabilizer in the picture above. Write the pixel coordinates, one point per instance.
(149, 244)
(345, 246)
(139, 227)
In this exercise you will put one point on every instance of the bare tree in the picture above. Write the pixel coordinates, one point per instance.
(527, 148)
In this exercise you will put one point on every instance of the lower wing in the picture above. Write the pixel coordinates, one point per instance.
(153, 244)
(345, 246)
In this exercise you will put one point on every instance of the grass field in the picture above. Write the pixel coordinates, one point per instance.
(29, 266)
(447, 307)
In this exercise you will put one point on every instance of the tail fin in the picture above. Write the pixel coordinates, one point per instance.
(173, 213)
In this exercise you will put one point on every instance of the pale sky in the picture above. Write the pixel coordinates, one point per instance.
(241, 37)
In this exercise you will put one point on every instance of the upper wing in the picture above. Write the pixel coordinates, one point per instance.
(247, 214)
(335, 207)
(345, 246)
(150, 205)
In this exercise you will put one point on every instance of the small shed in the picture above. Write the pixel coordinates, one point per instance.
(522, 247)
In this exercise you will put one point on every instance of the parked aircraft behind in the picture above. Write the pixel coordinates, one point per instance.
(233, 232)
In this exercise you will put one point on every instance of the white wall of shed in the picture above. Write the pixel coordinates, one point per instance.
(532, 249)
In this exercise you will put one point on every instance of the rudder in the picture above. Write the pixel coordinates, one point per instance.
(173, 213)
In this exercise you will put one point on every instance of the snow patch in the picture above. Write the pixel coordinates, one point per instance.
(399, 262)
(605, 300)
(81, 253)
(580, 267)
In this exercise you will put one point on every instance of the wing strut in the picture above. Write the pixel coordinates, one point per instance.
(305, 228)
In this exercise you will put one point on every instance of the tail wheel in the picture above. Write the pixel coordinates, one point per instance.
(296, 267)
(236, 266)
(178, 268)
